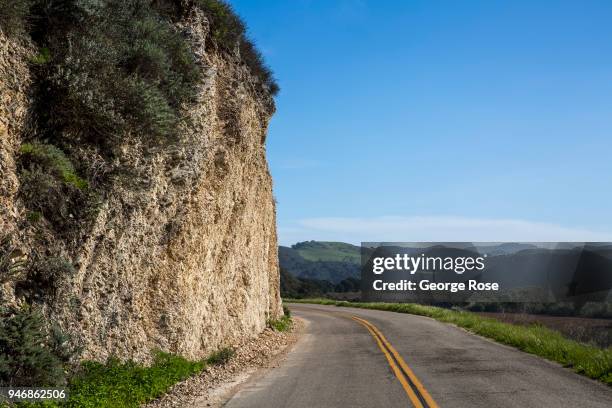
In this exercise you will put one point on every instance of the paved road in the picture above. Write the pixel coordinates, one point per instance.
(344, 362)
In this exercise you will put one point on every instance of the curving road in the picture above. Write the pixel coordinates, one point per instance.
(366, 358)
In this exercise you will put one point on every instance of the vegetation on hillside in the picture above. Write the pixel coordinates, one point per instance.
(324, 263)
(316, 269)
(584, 359)
(331, 269)
(114, 69)
(54, 161)
(328, 251)
(228, 32)
(292, 287)
(107, 71)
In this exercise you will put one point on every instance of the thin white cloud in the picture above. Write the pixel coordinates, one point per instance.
(434, 228)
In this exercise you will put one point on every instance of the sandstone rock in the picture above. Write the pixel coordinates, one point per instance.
(182, 254)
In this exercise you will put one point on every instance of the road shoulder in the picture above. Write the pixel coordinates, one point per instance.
(217, 384)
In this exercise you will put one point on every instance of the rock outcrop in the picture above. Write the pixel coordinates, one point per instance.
(181, 253)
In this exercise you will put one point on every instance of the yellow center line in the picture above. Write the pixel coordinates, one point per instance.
(398, 373)
(413, 378)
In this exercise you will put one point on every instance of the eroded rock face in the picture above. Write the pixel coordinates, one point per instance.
(15, 86)
(182, 253)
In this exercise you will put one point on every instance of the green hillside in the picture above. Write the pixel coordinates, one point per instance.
(325, 261)
(328, 251)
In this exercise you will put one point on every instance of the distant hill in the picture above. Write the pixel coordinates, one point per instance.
(328, 251)
(337, 261)
(318, 260)
(333, 270)
(506, 248)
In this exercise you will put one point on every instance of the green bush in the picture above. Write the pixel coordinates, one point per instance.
(13, 14)
(34, 216)
(50, 187)
(30, 354)
(44, 193)
(254, 60)
(42, 57)
(228, 31)
(226, 28)
(117, 68)
(284, 323)
(110, 69)
(52, 158)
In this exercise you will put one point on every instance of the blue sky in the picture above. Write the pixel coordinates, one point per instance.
(439, 120)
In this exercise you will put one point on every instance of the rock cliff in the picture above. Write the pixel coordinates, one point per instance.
(180, 253)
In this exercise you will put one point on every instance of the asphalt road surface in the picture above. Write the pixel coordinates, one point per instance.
(367, 358)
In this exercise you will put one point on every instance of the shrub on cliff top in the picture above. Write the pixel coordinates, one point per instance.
(228, 31)
(117, 68)
(254, 60)
(226, 28)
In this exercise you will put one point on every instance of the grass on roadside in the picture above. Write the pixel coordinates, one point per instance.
(284, 323)
(128, 384)
(591, 361)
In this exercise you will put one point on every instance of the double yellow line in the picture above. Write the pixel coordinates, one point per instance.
(416, 392)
